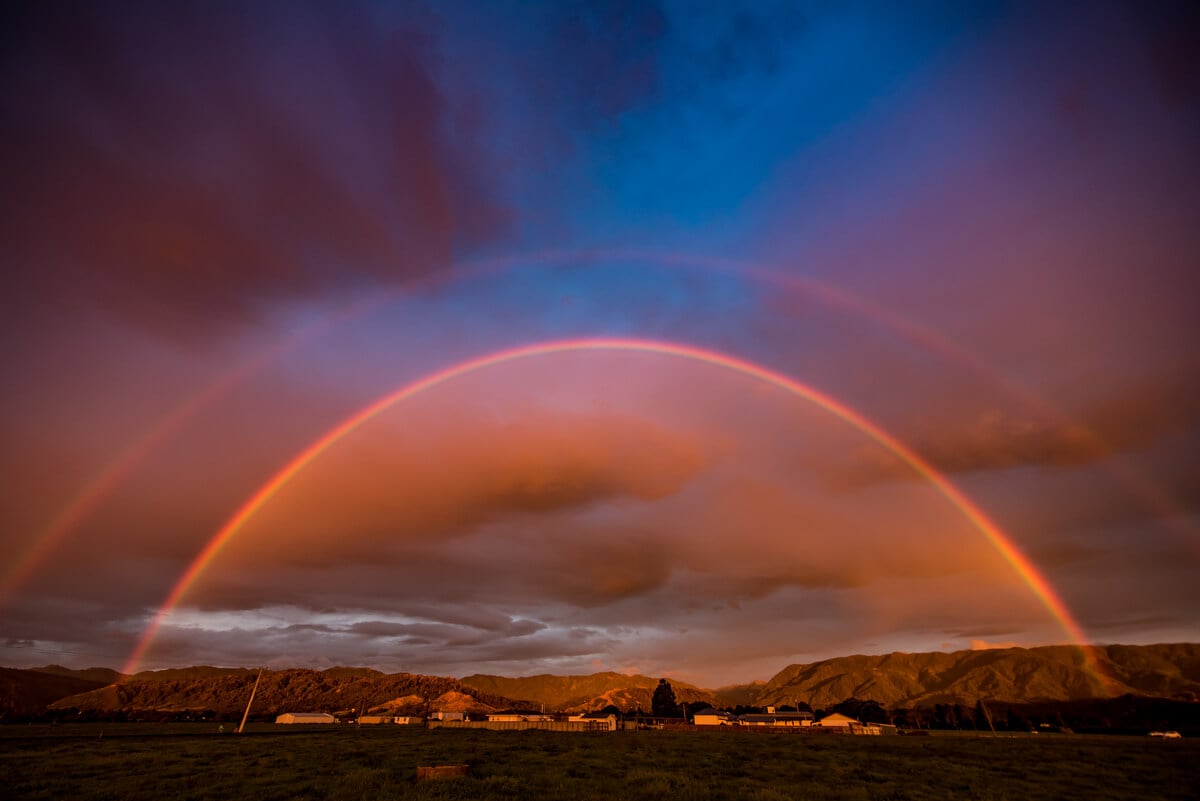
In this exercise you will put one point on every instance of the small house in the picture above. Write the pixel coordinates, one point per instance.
(837, 721)
(712, 717)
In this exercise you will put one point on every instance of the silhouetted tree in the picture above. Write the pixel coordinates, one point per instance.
(867, 711)
(944, 717)
(662, 704)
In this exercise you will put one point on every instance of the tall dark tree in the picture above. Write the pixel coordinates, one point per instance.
(663, 704)
(866, 710)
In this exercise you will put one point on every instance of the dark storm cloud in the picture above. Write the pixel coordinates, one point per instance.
(454, 632)
(187, 164)
(439, 651)
(41, 629)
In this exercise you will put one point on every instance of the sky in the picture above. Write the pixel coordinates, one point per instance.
(847, 328)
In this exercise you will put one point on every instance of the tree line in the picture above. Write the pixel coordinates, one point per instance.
(1129, 714)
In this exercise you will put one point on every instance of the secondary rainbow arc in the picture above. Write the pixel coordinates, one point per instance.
(1028, 572)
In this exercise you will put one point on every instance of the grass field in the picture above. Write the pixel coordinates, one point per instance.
(192, 761)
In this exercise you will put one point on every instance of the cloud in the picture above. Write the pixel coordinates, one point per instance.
(1127, 421)
(396, 490)
(601, 569)
(1136, 624)
(1056, 554)
(427, 647)
(984, 645)
(978, 633)
(187, 166)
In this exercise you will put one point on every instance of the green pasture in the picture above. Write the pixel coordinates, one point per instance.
(165, 762)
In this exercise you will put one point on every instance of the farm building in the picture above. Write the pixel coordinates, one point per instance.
(446, 716)
(792, 719)
(595, 720)
(306, 717)
(408, 720)
(837, 721)
(373, 720)
(711, 717)
(516, 717)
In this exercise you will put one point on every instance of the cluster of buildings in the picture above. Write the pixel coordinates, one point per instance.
(590, 721)
(600, 721)
(325, 717)
(836, 721)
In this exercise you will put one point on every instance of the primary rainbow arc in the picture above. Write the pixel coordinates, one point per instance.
(1001, 542)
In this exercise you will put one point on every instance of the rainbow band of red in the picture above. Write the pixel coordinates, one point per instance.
(1010, 553)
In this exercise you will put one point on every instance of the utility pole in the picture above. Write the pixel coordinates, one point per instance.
(362, 706)
(246, 714)
(987, 716)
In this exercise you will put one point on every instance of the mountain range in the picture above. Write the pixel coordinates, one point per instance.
(1016, 675)
(895, 680)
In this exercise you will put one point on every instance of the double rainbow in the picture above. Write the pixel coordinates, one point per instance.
(1024, 568)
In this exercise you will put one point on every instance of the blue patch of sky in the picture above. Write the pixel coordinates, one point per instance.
(686, 163)
(594, 297)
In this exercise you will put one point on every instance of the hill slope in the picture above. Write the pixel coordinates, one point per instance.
(280, 691)
(96, 674)
(588, 693)
(1051, 673)
(26, 693)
